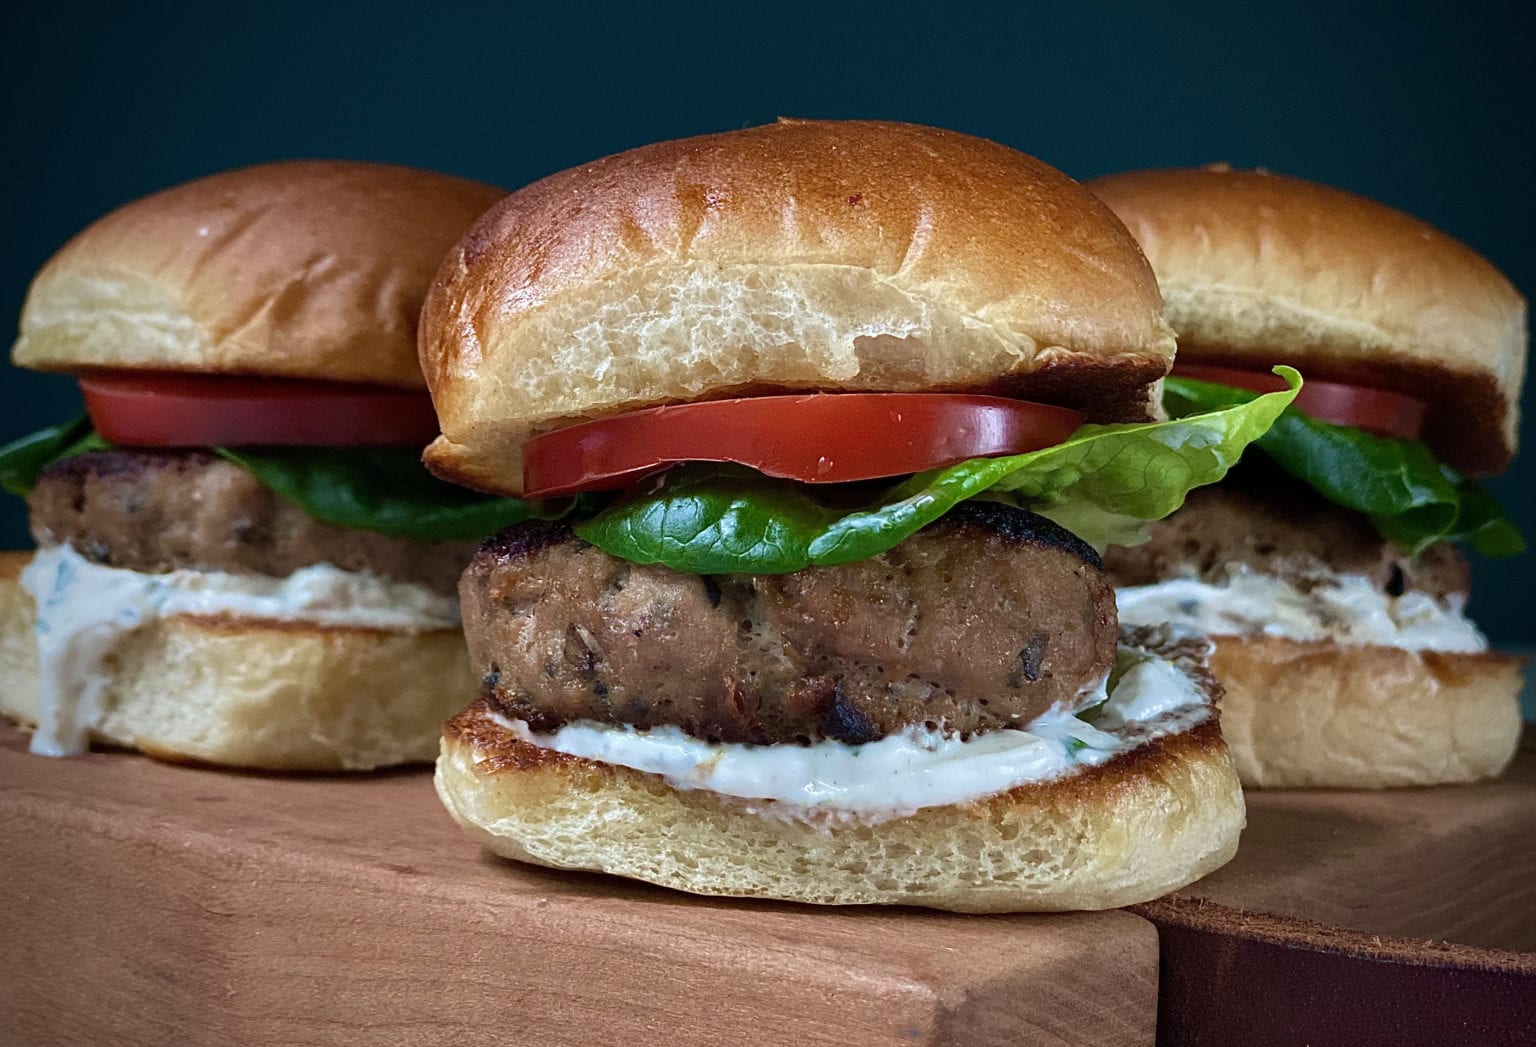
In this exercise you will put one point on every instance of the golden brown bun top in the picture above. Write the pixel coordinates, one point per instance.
(304, 269)
(1259, 269)
(799, 255)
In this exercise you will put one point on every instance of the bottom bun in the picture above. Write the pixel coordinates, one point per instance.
(256, 694)
(1369, 717)
(1147, 822)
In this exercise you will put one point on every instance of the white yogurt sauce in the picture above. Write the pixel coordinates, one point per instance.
(84, 610)
(1345, 609)
(909, 770)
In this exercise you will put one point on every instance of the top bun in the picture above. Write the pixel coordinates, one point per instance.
(796, 256)
(1259, 269)
(309, 269)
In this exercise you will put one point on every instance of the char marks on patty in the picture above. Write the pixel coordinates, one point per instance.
(157, 511)
(984, 619)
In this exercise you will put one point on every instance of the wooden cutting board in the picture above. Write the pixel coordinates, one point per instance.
(152, 904)
(146, 903)
(1348, 918)
(1454, 863)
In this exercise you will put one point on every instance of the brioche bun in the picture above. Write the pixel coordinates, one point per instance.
(1308, 714)
(306, 269)
(260, 694)
(1259, 269)
(796, 256)
(1148, 822)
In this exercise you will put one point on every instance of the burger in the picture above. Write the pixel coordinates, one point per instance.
(240, 558)
(840, 412)
(1325, 567)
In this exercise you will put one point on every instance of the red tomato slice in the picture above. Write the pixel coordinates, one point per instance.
(180, 410)
(815, 438)
(1376, 410)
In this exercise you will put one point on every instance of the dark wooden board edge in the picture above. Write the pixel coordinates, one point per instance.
(1227, 976)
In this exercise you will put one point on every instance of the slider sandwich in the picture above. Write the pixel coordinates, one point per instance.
(1324, 567)
(840, 411)
(240, 557)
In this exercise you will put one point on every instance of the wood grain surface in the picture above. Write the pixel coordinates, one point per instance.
(152, 904)
(146, 903)
(1348, 918)
(1454, 863)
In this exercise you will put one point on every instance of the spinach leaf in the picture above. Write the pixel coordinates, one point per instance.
(713, 520)
(23, 460)
(383, 489)
(1413, 499)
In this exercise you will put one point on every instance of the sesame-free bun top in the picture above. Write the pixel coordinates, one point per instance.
(304, 269)
(796, 256)
(1259, 269)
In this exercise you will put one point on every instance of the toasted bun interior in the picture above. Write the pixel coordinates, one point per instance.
(1305, 715)
(800, 255)
(1259, 269)
(305, 269)
(244, 693)
(1148, 822)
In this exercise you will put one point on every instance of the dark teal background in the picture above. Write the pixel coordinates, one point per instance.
(1429, 110)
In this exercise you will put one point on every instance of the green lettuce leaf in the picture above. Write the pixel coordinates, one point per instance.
(1413, 500)
(22, 461)
(709, 520)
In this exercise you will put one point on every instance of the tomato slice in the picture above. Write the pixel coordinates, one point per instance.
(815, 438)
(1376, 410)
(181, 410)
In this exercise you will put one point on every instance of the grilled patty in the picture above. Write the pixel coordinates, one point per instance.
(1262, 519)
(157, 511)
(985, 619)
